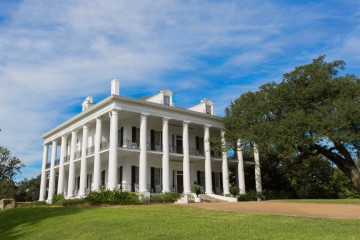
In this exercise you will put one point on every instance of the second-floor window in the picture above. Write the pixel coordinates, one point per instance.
(155, 137)
(166, 100)
(199, 146)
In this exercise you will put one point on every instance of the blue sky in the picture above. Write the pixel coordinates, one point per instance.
(55, 53)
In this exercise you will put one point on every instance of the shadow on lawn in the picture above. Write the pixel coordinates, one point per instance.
(10, 219)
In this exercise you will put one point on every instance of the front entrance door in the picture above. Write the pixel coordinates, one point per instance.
(180, 182)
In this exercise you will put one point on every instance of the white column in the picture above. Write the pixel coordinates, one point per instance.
(241, 175)
(143, 155)
(208, 177)
(186, 160)
(97, 161)
(60, 188)
(225, 167)
(113, 150)
(83, 166)
(71, 181)
(257, 171)
(165, 157)
(43, 173)
(52, 172)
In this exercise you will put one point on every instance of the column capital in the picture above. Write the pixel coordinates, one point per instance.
(186, 122)
(75, 130)
(99, 118)
(143, 116)
(113, 112)
(65, 135)
(54, 141)
(86, 125)
(166, 119)
(207, 126)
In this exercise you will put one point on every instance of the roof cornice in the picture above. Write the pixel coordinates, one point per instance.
(116, 98)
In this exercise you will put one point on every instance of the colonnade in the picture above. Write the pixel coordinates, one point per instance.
(113, 160)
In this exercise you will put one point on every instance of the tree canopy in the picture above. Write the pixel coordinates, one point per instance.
(313, 111)
(9, 167)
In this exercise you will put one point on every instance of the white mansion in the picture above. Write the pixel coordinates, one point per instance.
(145, 145)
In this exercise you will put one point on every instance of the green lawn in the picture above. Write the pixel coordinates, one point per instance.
(342, 201)
(165, 222)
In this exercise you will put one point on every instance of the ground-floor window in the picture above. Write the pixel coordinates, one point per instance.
(201, 179)
(103, 178)
(120, 173)
(134, 178)
(156, 179)
(88, 180)
(77, 183)
(217, 182)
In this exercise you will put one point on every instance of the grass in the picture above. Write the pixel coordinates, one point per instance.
(165, 222)
(341, 201)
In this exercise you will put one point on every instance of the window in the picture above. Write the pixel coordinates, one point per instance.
(120, 169)
(157, 176)
(77, 183)
(88, 180)
(155, 137)
(199, 146)
(202, 179)
(166, 100)
(136, 136)
(208, 109)
(136, 175)
(103, 178)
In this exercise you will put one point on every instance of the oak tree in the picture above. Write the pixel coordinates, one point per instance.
(313, 111)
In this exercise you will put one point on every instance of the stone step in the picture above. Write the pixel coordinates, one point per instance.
(207, 198)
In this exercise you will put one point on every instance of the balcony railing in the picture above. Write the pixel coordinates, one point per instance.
(90, 150)
(196, 152)
(154, 146)
(128, 144)
(175, 149)
(77, 154)
(57, 162)
(104, 145)
(216, 154)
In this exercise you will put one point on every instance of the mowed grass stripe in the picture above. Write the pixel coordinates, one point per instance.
(165, 222)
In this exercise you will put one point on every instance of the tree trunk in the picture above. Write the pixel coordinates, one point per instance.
(344, 162)
(355, 177)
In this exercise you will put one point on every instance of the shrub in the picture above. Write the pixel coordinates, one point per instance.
(72, 202)
(40, 203)
(112, 197)
(57, 198)
(234, 190)
(165, 198)
(197, 189)
(191, 198)
(249, 196)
